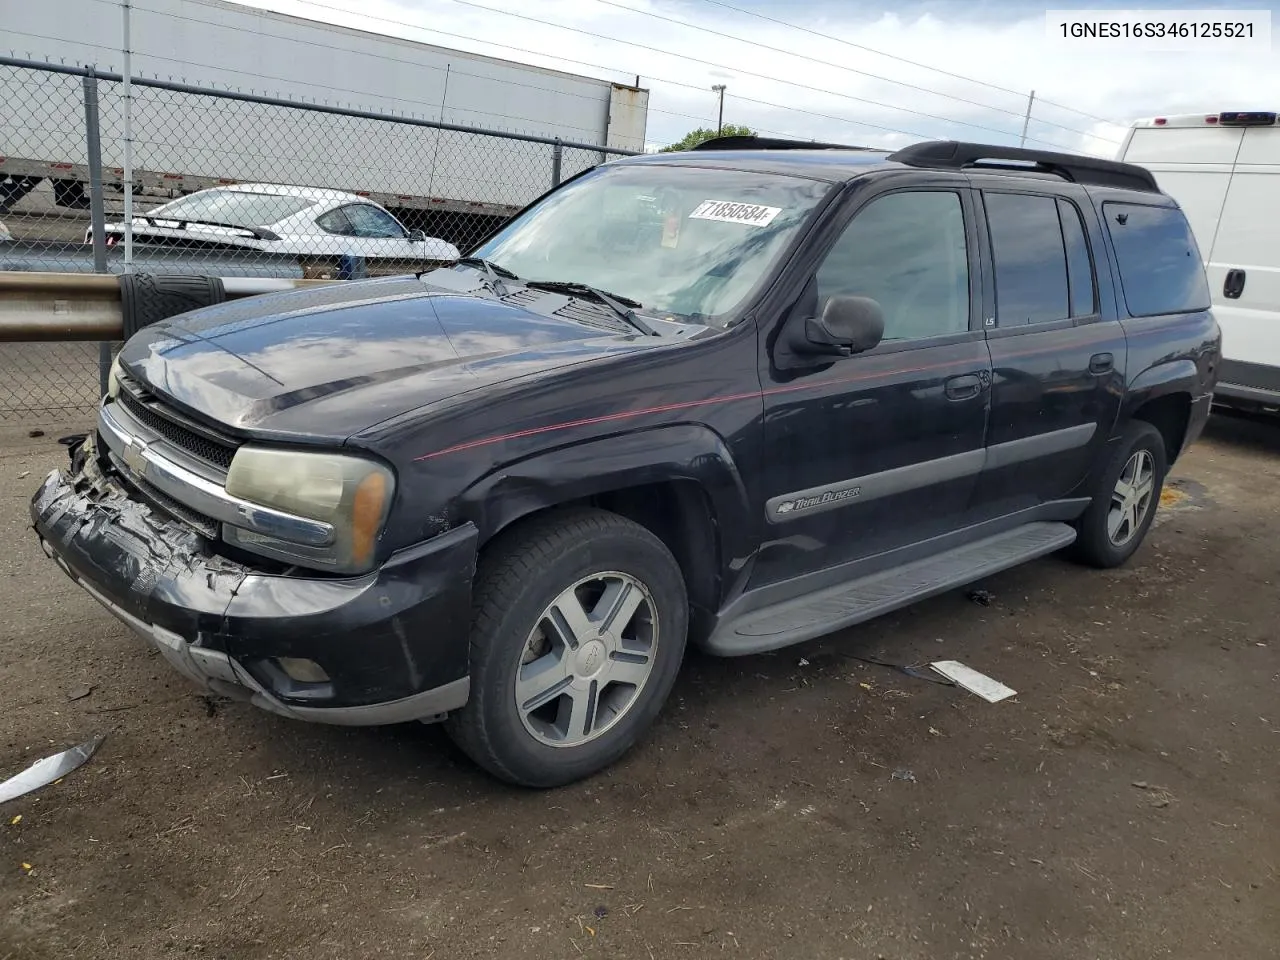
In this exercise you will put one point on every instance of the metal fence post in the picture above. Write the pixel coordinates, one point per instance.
(97, 215)
(557, 158)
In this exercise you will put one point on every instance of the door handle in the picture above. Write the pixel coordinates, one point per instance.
(963, 387)
(1233, 286)
(1101, 363)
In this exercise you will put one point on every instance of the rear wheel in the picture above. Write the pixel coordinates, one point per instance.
(1125, 500)
(578, 633)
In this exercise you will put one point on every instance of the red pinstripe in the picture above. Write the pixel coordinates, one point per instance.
(688, 404)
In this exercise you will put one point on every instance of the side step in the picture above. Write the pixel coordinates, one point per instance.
(859, 600)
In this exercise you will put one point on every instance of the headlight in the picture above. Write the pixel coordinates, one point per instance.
(113, 378)
(351, 494)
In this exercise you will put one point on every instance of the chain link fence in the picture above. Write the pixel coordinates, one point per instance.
(233, 185)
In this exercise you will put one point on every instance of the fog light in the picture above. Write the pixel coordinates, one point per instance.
(304, 671)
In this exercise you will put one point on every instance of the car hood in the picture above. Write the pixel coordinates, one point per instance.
(325, 363)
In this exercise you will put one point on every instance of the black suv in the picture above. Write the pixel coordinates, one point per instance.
(740, 396)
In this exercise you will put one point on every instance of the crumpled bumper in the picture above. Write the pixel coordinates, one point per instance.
(393, 643)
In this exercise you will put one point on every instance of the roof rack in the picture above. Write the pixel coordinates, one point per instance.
(956, 155)
(769, 143)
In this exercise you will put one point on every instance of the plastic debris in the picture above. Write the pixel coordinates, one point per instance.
(601, 912)
(79, 692)
(803, 662)
(49, 770)
(904, 774)
(990, 690)
(16, 820)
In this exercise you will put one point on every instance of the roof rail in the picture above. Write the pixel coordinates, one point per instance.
(956, 155)
(753, 142)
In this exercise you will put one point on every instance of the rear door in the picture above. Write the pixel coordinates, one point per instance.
(1058, 353)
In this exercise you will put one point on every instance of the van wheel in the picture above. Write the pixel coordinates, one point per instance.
(1126, 499)
(578, 631)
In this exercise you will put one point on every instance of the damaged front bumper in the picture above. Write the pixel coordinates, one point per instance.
(391, 645)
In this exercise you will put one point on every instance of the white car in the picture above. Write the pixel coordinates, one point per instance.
(296, 221)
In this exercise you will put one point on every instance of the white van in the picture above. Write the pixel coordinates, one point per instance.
(1224, 171)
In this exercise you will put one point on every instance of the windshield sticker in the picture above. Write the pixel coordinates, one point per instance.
(726, 211)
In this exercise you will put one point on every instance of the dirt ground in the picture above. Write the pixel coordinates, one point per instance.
(1125, 804)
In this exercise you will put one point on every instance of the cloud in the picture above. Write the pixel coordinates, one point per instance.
(822, 88)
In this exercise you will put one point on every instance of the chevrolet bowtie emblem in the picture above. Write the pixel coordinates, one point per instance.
(133, 457)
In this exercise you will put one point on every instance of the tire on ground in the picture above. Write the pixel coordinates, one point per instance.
(1094, 544)
(519, 576)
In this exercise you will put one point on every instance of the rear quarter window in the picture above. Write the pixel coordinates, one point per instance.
(1160, 267)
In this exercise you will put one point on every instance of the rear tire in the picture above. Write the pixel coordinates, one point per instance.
(578, 632)
(1125, 499)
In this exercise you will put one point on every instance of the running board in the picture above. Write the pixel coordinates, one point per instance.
(860, 600)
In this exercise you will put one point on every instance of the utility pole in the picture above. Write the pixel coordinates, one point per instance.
(719, 88)
(1026, 121)
(128, 135)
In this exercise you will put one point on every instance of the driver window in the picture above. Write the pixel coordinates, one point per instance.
(907, 251)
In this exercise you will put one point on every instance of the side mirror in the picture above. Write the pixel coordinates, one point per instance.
(417, 236)
(848, 325)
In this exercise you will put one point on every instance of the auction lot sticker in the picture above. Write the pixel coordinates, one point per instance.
(726, 211)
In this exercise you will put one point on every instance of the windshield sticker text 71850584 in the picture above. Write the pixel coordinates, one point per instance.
(726, 211)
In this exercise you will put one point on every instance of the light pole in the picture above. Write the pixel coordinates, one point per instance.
(719, 88)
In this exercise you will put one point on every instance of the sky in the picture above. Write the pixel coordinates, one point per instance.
(832, 75)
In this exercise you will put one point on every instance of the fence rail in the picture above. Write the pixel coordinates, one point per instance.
(250, 185)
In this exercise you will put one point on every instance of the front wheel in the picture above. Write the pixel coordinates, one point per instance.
(578, 633)
(1125, 499)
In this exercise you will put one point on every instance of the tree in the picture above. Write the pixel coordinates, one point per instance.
(695, 137)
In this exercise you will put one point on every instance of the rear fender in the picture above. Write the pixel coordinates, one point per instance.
(1159, 380)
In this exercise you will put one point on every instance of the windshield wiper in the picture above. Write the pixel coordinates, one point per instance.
(623, 307)
(492, 271)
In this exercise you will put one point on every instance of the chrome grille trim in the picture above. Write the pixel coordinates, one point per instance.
(193, 442)
(204, 496)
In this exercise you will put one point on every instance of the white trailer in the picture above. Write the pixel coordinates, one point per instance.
(185, 142)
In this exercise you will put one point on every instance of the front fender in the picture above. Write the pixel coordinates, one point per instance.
(577, 470)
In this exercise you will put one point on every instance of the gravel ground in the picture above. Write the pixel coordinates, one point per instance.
(808, 804)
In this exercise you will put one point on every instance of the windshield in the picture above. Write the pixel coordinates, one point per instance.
(234, 207)
(688, 241)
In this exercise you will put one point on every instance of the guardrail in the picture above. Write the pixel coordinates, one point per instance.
(55, 307)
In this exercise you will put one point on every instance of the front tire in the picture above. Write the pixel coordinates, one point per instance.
(578, 632)
(1125, 499)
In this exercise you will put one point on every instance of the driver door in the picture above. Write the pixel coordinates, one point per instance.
(880, 450)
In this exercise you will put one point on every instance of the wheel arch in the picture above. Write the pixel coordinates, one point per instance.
(680, 482)
(1161, 395)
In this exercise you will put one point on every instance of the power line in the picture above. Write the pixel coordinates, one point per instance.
(914, 63)
(761, 76)
(826, 63)
(366, 93)
(267, 76)
(325, 46)
(609, 69)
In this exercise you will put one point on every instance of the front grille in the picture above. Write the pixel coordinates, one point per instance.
(205, 526)
(198, 445)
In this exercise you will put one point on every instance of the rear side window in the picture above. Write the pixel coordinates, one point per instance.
(1160, 267)
(1030, 259)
